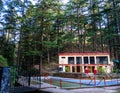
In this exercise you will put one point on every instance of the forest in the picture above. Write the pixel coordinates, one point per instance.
(34, 33)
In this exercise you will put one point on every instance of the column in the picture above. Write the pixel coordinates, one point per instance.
(108, 59)
(95, 59)
(70, 68)
(88, 59)
(82, 66)
(83, 70)
(75, 64)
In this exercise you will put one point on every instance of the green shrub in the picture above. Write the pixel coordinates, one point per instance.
(115, 70)
(67, 69)
(101, 70)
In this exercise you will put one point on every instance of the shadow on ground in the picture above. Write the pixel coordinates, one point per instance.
(38, 91)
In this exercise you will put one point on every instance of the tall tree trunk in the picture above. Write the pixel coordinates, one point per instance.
(78, 29)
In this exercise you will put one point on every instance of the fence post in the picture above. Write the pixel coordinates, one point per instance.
(50, 80)
(60, 83)
(80, 82)
(44, 77)
(29, 79)
(95, 80)
(104, 81)
(117, 80)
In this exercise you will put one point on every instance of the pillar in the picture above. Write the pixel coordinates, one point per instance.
(70, 68)
(82, 66)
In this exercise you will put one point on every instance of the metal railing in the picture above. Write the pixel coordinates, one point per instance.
(85, 81)
(94, 81)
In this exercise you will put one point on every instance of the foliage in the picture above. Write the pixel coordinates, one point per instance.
(35, 34)
(0, 4)
(3, 61)
(115, 70)
(9, 53)
(13, 76)
(101, 70)
(67, 69)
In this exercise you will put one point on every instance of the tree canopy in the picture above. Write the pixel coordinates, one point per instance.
(3, 61)
(31, 33)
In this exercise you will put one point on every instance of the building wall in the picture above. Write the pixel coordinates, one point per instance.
(63, 61)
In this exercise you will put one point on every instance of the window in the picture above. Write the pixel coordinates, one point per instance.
(70, 60)
(60, 69)
(78, 60)
(102, 60)
(85, 60)
(63, 57)
(92, 61)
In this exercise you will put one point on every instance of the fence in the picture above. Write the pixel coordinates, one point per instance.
(93, 81)
(34, 80)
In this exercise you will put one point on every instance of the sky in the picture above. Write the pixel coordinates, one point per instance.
(64, 1)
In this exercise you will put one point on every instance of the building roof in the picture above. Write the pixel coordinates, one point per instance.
(85, 53)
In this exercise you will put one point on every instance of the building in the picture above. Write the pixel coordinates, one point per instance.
(78, 62)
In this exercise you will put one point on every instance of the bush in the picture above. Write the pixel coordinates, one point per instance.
(101, 70)
(115, 70)
(67, 69)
